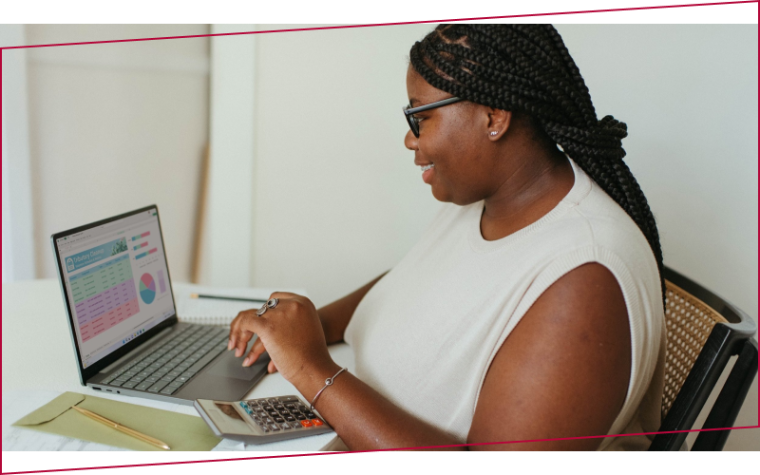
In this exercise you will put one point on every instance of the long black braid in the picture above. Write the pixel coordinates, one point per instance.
(528, 69)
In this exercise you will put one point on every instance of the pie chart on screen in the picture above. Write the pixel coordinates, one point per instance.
(147, 288)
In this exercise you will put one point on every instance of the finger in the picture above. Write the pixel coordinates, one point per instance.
(245, 326)
(271, 368)
(256, 350)
(283, 295)
(291, 298)
(233, 328)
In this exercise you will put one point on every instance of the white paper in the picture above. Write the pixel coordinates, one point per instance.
(217, 311)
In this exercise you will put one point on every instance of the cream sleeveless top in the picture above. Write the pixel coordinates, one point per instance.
(425, 334)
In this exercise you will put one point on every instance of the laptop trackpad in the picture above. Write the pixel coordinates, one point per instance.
(230, 367)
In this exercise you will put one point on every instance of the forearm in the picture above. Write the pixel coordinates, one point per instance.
(336, 315)
(364, 419)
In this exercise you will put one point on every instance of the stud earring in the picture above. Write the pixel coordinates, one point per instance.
(494, 132)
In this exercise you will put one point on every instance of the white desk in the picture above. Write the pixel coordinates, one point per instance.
(39, 364)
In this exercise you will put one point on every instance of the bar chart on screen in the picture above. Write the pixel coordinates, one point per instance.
(161, 281)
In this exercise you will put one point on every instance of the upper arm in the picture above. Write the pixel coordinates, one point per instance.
(564, 369)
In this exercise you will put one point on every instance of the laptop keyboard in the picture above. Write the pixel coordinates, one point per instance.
(167, 368)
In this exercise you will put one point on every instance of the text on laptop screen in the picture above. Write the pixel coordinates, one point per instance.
(117, 282)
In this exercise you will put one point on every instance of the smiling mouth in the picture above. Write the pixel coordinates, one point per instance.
(427, 167)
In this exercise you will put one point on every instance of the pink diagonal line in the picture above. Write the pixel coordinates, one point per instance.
(290, 30)
(516, 16)
(271, 457)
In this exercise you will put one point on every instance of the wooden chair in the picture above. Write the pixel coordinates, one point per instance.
(704, 331)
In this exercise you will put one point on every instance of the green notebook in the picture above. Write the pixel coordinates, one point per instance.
(179, 431)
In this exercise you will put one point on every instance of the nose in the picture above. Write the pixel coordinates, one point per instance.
(410, 141)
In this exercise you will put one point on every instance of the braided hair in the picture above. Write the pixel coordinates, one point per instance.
(528, 69)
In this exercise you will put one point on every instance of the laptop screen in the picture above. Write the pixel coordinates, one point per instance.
(117, 282)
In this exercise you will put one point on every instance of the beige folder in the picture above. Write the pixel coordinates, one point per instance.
(180, 431)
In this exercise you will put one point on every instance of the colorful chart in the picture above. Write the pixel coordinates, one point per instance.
(161, 281)
(147, 288)
(104, 296)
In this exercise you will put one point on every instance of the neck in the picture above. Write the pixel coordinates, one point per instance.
(529, 191)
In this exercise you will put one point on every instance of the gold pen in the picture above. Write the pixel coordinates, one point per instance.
(126, 430)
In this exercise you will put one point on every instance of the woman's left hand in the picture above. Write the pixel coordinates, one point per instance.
(291, 332)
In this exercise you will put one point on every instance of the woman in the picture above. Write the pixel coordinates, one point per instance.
(532, 306)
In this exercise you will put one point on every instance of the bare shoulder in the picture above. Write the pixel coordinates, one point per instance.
(563, 371)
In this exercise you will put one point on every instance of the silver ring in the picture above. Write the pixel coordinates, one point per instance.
(272, 303)
(262, 310)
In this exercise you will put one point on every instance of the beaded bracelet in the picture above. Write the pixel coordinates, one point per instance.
(328, 382)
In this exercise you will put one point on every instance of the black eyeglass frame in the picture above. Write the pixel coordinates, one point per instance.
(410, 111)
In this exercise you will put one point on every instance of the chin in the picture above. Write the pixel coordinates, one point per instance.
(446, 196)
(440, 195)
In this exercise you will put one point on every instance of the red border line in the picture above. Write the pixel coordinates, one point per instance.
(659, 7)
(301, 455)
(291, 30)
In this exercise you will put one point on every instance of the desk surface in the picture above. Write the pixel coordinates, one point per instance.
(39, 364)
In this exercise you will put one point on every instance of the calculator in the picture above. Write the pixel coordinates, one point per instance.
(261, 421)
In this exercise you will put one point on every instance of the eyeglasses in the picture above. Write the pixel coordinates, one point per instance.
(414, 122)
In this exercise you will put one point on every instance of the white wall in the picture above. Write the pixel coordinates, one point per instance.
(227, 240)
(18, 224)
(115, 127)
(337, 199)
(7, 254)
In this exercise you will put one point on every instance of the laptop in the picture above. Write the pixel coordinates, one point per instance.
(123, 318)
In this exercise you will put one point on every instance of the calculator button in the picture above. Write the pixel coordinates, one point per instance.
(295, 425)
(290, 418)
(274, 427)
(279, 419)
(272, 400)
(300, 417)
(289, 399)
(265, 429)
(285, 426)
(310, 415)
(316, 422)
(306, 423)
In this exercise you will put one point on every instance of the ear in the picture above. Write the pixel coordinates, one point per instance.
(499, 121)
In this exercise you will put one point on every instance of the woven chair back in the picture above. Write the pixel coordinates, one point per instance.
(689, 322)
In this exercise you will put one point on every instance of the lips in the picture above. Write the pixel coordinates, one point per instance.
(427, 173)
